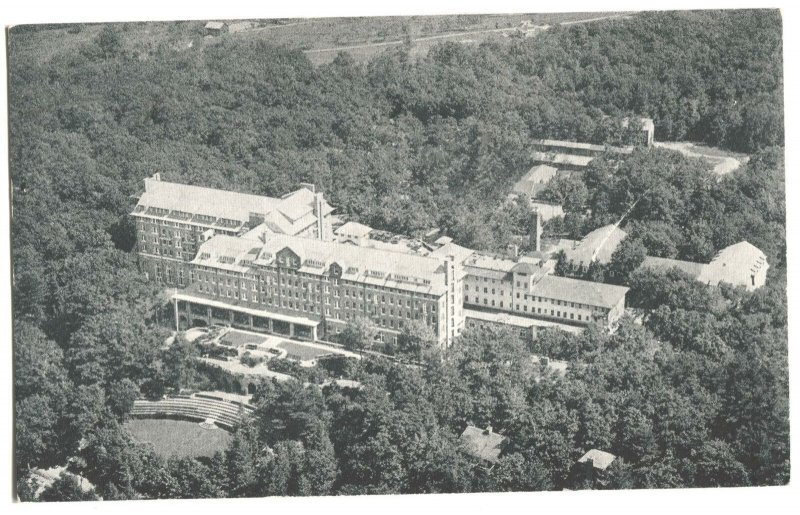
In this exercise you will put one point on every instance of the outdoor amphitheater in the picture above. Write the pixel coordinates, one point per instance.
(188, 425)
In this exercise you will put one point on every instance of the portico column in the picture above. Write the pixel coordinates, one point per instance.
(291, 329)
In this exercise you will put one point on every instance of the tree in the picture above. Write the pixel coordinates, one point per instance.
(67, 487)
(359, 334)
(415, 338)
(520, 472)
(628, 256)
(109, 41)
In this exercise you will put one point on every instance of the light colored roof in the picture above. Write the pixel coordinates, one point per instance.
(215, 25)
(490, 262)
(598, 245)
(46, 478)
(581, 146)
(664, 264)
(576, 290)
(369, 265)
(734, 265)
(562, 159)
(289, 214)
(459, 253)
(354, 229)
(483, 443)
(228, 252)
(534, 180)
(400, 270)
(599, 459)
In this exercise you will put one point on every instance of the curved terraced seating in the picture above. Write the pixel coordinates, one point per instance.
(200, 408)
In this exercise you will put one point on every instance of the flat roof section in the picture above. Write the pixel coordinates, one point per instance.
(249, 311)
(501, 317)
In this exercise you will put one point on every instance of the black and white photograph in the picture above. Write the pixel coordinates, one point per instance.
(380, 255)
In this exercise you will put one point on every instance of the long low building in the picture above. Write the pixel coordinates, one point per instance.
(527, 287)
(741, 264)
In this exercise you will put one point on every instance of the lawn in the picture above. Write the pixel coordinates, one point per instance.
(237, 339)
(302, 352)
(178, 437)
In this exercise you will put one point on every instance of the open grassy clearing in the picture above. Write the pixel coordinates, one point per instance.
(178, 437)
(144, 39)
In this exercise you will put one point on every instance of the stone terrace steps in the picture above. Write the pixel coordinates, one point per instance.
(225, 413)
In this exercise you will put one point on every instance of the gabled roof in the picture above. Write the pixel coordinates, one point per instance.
(534, 180)
(369, 265)
(664, 264)
(354, 229)
(483, 443)
(290, 214)
(599, 459)
(735, 264)
(576, 290)
(598, 245)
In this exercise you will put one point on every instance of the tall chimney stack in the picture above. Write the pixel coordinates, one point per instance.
(536, 230)
(322, 232)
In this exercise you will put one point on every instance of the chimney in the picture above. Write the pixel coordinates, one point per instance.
(322, 232)
(488, 430)
(536, 231)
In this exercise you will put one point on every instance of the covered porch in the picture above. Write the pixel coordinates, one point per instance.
(194, 311)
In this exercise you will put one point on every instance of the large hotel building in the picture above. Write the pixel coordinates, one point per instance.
(276, 265)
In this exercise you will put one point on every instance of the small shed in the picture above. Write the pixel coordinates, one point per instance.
(483, 444)
(598, 459)
(214, 28)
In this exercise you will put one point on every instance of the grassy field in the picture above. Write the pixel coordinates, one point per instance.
(320, 38)
(178, 437)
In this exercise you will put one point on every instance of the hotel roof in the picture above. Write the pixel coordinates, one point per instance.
(369, 265)
(288, 214)
(576, 290)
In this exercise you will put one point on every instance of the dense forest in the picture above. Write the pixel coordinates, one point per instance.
(693, 392)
